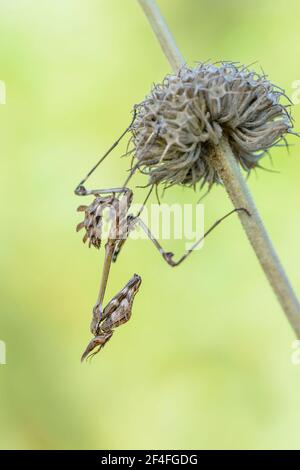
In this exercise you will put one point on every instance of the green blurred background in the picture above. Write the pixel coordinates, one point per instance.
(205, 361)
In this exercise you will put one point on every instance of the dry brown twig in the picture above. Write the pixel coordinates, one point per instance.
(226, 166)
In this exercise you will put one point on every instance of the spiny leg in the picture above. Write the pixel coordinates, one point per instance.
(168, 256)
(188, 252)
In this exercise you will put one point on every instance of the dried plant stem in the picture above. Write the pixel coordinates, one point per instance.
(162, 33)
(236, 187)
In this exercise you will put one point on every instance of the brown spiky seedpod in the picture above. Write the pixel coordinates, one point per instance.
(180, 123)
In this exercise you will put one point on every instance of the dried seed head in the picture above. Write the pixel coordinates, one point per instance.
(183, 119)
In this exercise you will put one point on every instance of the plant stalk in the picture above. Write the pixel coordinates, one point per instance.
(228, 169)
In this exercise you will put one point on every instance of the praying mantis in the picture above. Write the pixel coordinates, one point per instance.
(118, 201)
